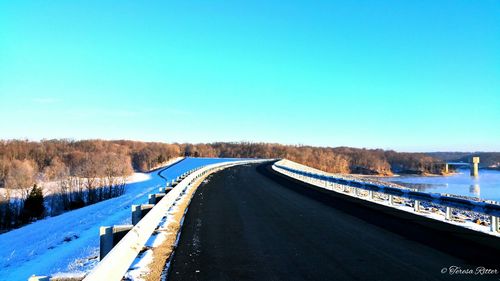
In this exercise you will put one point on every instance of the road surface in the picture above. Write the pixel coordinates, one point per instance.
(248, 224)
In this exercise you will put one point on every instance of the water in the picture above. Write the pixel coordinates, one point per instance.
(486, 186)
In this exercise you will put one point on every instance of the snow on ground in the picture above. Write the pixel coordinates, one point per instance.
(138, 177)
(70, 242)
(50, 187)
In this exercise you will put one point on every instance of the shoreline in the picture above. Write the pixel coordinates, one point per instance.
(395, 175)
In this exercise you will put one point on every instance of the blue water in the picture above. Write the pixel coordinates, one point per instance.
(486, 186)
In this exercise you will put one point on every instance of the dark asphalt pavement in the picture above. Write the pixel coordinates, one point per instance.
(248, 224)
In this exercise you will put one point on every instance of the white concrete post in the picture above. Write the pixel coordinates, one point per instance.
(155, 198)
(136, 214)
(391, 200)
(494, 224)
(106, 240)
(139, 211)
(371, 194)
(448, 213)
(110, 236)
(416, 206)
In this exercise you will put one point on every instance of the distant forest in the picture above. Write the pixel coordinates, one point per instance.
(84, 172)
(75, 157)
(487, 159)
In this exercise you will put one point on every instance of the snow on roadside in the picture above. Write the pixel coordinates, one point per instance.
(70, 242)
(141, 265)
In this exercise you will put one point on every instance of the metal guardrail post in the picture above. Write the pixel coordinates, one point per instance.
(494, 224)
(448, 214)
(391, 200)
(139, 211)
(416, 206)
(106, 240)
(136, 214)
(110, 236)
(155, 198)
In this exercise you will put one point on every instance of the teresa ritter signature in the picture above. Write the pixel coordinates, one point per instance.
(457, 270)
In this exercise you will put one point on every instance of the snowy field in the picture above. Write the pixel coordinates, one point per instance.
(70, 242)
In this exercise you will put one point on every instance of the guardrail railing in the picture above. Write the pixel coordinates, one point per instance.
(372, 191)
(117, 261)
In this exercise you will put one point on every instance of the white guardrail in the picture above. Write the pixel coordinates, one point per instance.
(117, 262)
(376, 192)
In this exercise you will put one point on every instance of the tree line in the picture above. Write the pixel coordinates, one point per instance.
(79, 173)
(329, 159)
(73, 174)
(487, 159)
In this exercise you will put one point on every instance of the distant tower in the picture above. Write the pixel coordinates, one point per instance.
(474, 167)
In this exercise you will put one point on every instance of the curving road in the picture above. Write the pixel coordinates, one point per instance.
(247, 223)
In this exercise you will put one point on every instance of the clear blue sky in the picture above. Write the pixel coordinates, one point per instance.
(420, 75)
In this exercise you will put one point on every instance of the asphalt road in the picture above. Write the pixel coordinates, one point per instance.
(248, 224)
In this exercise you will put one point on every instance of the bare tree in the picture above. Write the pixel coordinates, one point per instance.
(58, 173)
(18, 183)
(21, 177)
